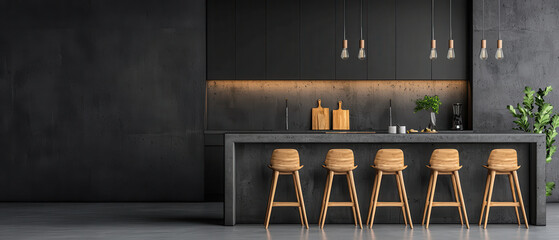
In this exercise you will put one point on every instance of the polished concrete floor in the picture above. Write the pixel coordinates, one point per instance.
(203, 221)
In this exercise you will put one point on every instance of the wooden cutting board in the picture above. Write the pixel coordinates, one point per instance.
(320, 118)
(340, 118)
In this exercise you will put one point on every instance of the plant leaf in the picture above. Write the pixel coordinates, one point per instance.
(552, 151)
(528, 100)
(549, 186)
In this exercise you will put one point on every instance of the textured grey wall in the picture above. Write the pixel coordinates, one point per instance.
(260, 105)
(530, 31)
(102, 100)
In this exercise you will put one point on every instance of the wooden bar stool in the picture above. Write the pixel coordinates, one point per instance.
(445, 162)
(502, 162)
(286, 162)
(389, 162)
(340, 162)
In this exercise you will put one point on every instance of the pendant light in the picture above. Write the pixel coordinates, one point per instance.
(450, 55)
(483, 52)
(345, 54)
(499, 54)
(361, 55)
(433, 53)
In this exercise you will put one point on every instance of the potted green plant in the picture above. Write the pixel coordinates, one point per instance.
(542, 120)
(431, 104)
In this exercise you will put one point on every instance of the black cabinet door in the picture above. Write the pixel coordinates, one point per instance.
(444, 69)
(283, 39)
(351, 68)
(302, 39)
(250, 43)
(413, 39)
(220, 39)
(318, 53)
(381, 40)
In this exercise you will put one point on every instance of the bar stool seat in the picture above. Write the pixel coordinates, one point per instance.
(444, 169)
(281, 168)
(389, 162)
(390, 169)
(340, 162)
(340, 169)
(502, 168)
(286, 162)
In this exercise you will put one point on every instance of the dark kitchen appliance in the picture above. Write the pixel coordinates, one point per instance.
(457, 123)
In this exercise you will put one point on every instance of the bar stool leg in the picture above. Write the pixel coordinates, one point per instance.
(379, 180)
(462, 203)
(427, 198)
(298, 198)
(484, 203)
(401, 198)
(515, 176)
(491, 184)
(330, 179)
(356, 203)
(400, 175)
(349, 188)
(372, 198)
(511, 181)
(271, 200)
(301, 197)
(457, 198)
(435, 175)
(324, 199)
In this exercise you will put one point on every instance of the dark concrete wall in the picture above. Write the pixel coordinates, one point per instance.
(530, 33)
(102, 100)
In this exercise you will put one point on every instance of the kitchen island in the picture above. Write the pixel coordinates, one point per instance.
(247, 177)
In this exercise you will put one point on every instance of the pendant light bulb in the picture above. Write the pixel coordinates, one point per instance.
(499, 54)
(345, 52)
(451, 55)
(433, 54)
(483, 52)
(362, 53)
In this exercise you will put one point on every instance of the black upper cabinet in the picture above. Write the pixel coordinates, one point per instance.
(413, 39)
(250, 39)
(351, 68)
(283, 48)
(318, 54)
(443, 68)
(221, 36)
(302, 39)
(381, 40)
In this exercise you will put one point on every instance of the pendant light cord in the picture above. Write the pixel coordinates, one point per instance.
(483, 19)
(499, 29)
(432, 19)
(344, 21)
(361, 19)
(450, 17)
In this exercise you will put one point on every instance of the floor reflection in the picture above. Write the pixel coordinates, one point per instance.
(393, 231)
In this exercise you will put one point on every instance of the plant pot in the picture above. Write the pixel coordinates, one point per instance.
(433, 121)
